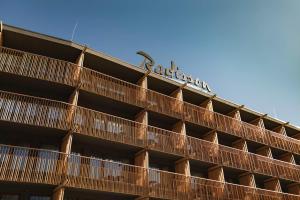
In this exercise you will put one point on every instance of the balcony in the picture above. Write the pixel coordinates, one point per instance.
(33, 111)
(27, 165)
(38, 67)
(49, 69)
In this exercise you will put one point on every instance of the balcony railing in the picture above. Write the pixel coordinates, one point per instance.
(53, 114)
(20, 164)
(41, 67)
(37, 66)
(50, 167)
(34, 111)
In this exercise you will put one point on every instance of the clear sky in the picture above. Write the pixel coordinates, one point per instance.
(247, 50)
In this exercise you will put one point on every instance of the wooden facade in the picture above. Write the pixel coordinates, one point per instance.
(166, 140)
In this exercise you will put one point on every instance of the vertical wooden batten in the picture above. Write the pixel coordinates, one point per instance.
(66, 146)
(215, 172)
(236, 124)
(142, 157)
(240, 143)
(287, 157)
(264, 150)
(73, 101)
(272, 183)
(182, 166)
(211, 136)
(1, 34)
(247, 178)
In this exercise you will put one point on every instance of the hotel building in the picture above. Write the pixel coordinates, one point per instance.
(77, 124)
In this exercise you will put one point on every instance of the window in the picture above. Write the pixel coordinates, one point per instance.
(100, 86)
(99, 124)
(152, 138)
(7, 108)
(109, 126)
(46, 160)
(74, 164)
(114, 127)
(20, 157)
(95, 167)
(154, 175)
(112, 169)
(78, 119)
(17, 109)
(194, 183)
(54, 113)
(31, 110)
(4, 151)
(1, 105)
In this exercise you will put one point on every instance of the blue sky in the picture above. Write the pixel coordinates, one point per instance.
(248, 51)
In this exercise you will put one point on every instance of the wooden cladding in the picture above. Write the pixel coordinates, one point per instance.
(34, 111)
(49, 69)
(48, 167)
(108, 127)
(37, 66)
(26, 165)
(41, 67)
(111, 87)
(19, 164)
(53, 114)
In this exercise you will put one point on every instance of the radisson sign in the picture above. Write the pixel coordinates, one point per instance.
(173, 72)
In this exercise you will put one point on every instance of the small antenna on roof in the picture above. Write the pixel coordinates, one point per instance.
(1, 34)
(74, 30)
(274, 112)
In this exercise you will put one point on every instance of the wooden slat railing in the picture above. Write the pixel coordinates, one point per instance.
(157, 102)
(104, 175)
(109, 127)
(226, 156)
(166, 141)
(174, 186)
(53, 114)
(169, 185)
(33, 111)
(111, 87)
(28, 165)
(203, 189)
(37, 66)
(41, 67)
